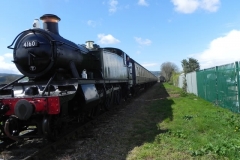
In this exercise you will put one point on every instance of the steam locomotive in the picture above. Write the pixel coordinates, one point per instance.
(63, 82)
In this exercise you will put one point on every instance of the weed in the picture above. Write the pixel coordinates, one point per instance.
(194, 127)
(187, 117)
(183, 93)
(178, 134)
(224, 148)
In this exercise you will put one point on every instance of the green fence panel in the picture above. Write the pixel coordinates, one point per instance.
(227, 87)
(220, 85)
(200, 84)
(211, 83)
(206, 83)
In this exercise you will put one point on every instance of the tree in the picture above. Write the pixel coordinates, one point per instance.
(189, 65)
(167, 69)
(174, 78)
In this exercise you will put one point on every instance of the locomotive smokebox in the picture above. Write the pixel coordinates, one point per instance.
(50, 23)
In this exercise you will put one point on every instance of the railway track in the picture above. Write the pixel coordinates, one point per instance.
(36, 149)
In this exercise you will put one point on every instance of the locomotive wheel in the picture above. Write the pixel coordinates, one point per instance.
(108, 102)
(13, 129)
(2, 133)
(51, 127)
(4, 138)
(95, 112)
(118, 96)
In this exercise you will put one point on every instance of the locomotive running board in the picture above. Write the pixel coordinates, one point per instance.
(91, 81)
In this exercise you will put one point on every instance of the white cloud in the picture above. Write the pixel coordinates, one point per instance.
(210, 5)
(142, 3)
(8, 55)
(150, 64)
(190, 6)
(92, 23)
(141, 41)
(185, 6)
(107, 39)
(6, 65)
(222, 50)
(113, 6)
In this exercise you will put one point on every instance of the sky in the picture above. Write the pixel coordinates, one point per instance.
(150, 31)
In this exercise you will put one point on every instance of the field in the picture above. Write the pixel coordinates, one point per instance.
(179, 126)
(7, 78)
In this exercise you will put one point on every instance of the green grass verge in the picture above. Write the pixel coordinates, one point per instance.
(184, 127)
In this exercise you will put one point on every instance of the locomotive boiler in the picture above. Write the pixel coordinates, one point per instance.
(39, 53)
(63, 82)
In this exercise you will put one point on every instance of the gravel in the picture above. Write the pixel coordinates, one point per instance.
(111, 138)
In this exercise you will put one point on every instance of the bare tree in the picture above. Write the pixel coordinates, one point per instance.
(167, 69)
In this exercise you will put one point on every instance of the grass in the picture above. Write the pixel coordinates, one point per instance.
(173, 126)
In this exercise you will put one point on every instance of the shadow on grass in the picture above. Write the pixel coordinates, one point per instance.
(157, 109)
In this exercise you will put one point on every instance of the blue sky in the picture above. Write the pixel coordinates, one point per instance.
(150, 31)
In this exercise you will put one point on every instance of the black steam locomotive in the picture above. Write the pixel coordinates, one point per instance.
(63, 82)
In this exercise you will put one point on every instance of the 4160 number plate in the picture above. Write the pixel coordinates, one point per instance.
(29, 44)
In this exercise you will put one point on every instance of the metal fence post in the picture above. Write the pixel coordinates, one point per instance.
(216, 85)
(205, 83)
(237, 78)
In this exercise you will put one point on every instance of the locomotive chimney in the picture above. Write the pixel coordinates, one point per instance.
(50, 22)
(89, 44)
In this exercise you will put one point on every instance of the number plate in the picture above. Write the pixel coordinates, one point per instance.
(29, 44)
